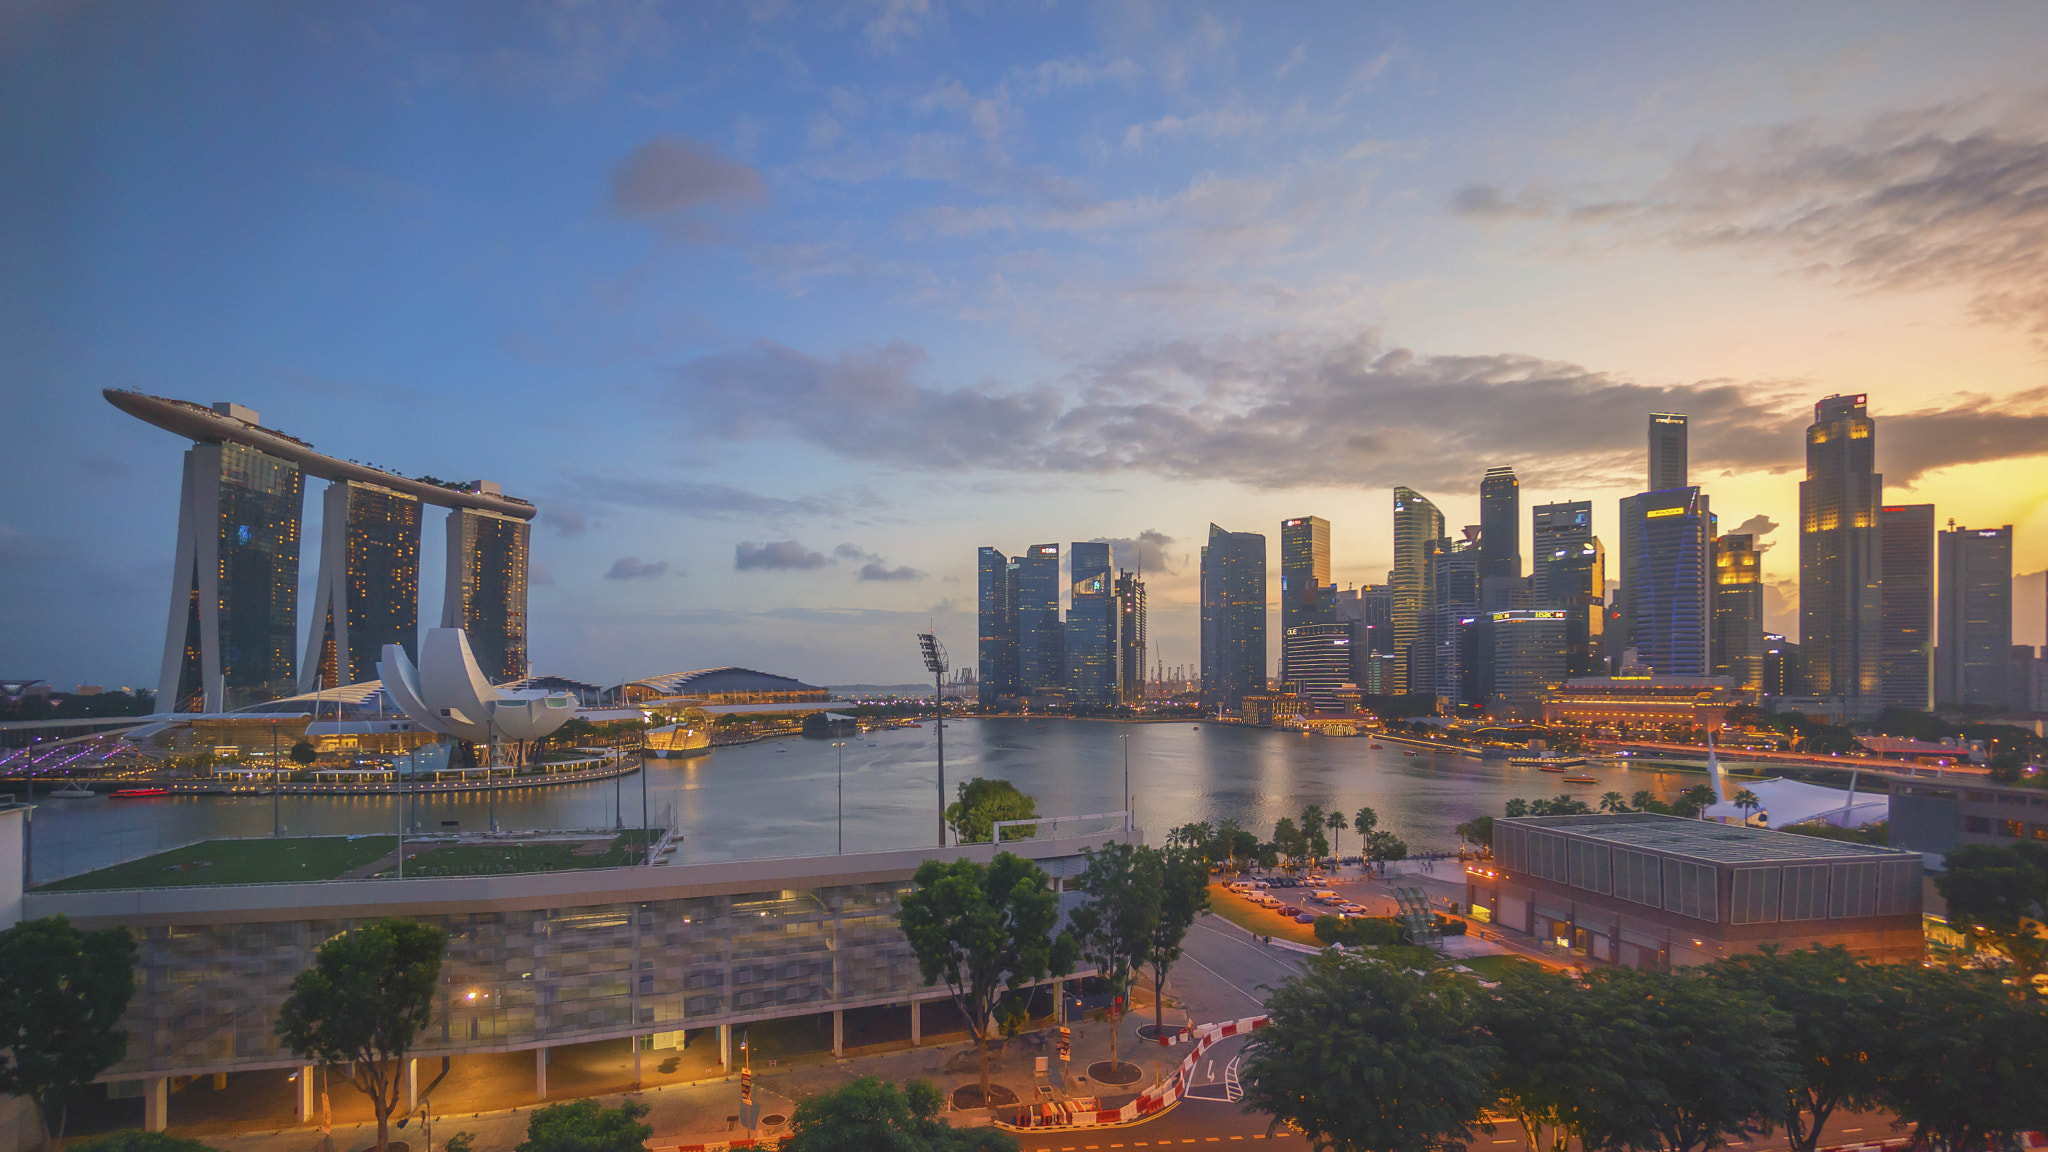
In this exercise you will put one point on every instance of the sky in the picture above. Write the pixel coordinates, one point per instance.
(778, 311)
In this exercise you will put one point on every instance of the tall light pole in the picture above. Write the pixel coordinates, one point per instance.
(1126, 739)
(841, 745)
(935, 663)
(646, 844)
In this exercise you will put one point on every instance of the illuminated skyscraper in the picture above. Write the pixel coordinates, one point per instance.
(1320, 655)
(1667, 580)
(1092, 628)
(1575, 582)
(1500, 524)
(235, 588)
(1041, 639)
(1973, 637)
(1841, 560)
(1454, 637)
(1906, 640)
(1304, 575)
(1554, 527)
(1233, 617)
(368, 593)
(996, 604)
(1739, 610)
(1667, 451)
(1132, 645)
(485, 592)
(1417, 523)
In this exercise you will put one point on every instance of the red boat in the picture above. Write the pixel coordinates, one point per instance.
(126, 793)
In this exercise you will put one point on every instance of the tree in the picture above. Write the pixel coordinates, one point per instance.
(1243, 845)
(984, 929)
(1314, 844)
(1516, 808)
(1696, 799)
(1198, 836)
(1612, 802)
(135, 1140)
(1288, 840)
(871, 1113)
(1336, 823)
(587, 1126)
(368, 994)
(1365, 821)
(303, 754)
(1642, 800)
(1555, 1067)
(1703, 1062)
(1183, 895)
(1115, 929)
(1966, 1061)
(1748, 802)
(62, 993)
(1367, 1054)
(982, 803)
(1382, 846)
(1998, 893)
(1478, 830)
(1840, 1015)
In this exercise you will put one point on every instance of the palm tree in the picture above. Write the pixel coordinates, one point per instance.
(1749, 802)
(1336, 823)
(1612, 802)
(1642, 800)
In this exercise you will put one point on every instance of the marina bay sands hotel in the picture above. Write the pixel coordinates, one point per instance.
(234, 624)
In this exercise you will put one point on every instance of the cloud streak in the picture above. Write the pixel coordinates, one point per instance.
(787, 555)
(634, 568)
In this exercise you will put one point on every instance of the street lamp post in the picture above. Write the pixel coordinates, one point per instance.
(935, 663)
(1126, 739)
(646, 845)
(841, 745)
(276, 810)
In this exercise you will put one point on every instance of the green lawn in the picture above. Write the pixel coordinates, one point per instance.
(485, 859)
(237, 862)
(1493, 967)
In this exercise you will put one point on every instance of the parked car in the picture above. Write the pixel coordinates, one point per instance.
(1304, 918)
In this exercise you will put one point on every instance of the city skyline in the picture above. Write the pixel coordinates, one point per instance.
(776, 320)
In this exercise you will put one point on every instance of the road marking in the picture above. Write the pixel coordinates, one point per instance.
(1852, 1129)
(1507, 1141)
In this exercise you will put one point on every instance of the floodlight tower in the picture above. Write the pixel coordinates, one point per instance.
(935, 663)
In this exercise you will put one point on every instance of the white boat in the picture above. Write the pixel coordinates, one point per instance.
(73, 792)
(1548, 762)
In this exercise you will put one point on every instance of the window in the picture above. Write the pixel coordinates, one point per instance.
(1803, 892)
(1689, 890)
(1638, 877)
(1754, 899)
(1591, 866)
(1852, 889)
(2011, 828)
(1978, 824)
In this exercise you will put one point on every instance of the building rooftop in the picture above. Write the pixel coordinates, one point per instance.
(1702, 840)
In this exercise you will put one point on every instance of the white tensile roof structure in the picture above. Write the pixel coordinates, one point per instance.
(449, 694)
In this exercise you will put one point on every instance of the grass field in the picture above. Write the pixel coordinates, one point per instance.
(237, 862)
(1494, 967)
(486, 859)
(1253, 918)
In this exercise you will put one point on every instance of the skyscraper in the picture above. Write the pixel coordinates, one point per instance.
(996, 604)
(1233, 617)
(1906, 615)
(1320, 655)
(1454, 613)
(1041, 639)
(235, 588)
(1416, 524)
(1841, 562)
(368, 592)
(1304, 573)
(1500, 524)
(485, 593)
(1526, 656)
(1739, 610)
(1973, 637)
(1131, 640)
(1554, 527)
(1092, 628)
(1667, 451)
(1667, 579)
(1576, 584)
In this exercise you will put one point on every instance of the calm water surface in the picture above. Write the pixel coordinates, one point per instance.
(780, 798)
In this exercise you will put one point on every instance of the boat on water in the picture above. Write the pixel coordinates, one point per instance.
(132, 793)
(1580, 778)
(73, 792)
(1548, 762)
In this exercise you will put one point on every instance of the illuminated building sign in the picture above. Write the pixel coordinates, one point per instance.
(1665, 512)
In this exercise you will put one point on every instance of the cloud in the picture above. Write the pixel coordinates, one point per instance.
(877, 570)
(898, 21)
(785, 554)
(564, 520)
(539, 574)
(853, 552)
(634, 568)
(669, 181)
(1145, 552)
(711, 501)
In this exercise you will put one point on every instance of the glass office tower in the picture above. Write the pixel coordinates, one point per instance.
(1041, 641)
(1973, 636)
(1093, 671)
(486, 589)
(1906, 612)
(1304, 575)
(1500, 524)
(1841, 559)
(1132, 647)
(368, 594)
(1417, 524)
(1739, 610)
(1455, 664)
(1667, 580)
(1320, 655)
(1233, 617)
(996, 601)
(234, 621)
(1667, 451)
(1575, 582)
(1553, 528)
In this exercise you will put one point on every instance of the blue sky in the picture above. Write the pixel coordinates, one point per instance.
(768, 298)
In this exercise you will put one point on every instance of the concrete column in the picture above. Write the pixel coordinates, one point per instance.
(636, 1061)
(156, 1104)
(1059, 1000)
(540, 1072)
(839, 1032)
(725, 1047)
(916, 1023)
(305, 1094)
(412, 1083)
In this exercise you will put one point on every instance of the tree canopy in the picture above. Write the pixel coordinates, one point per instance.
(870, 1114)
(1183, 895)
(1116, 926)
(62, 993)
(365, 999)
(587, 1126)
(2000, 894)
(984, 802)
(1966, 1060)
